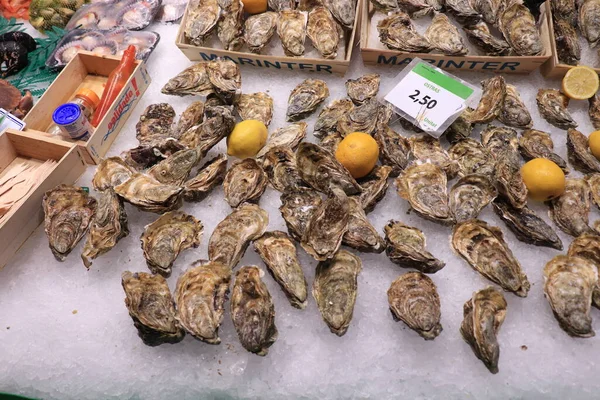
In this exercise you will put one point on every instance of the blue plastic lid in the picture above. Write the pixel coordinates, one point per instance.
(66, 114)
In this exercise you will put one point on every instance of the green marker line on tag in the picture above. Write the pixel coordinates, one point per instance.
(442, 80)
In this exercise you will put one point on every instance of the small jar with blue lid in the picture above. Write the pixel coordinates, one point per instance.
(72, 122)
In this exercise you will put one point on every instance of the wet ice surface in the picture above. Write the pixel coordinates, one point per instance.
(65, 332)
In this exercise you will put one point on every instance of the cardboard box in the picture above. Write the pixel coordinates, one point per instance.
(338, 67)
(15, 147)
(506, 64)
(87, 70)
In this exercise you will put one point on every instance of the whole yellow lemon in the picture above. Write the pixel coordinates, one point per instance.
(247, 138)
(358, 152)
(594, 143)
(543, 178)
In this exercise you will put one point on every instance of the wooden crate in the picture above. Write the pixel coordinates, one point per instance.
(272, 62)
(15, 147)
(505, 64)
(90, 71)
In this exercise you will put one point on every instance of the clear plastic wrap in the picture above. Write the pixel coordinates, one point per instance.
(128, 14)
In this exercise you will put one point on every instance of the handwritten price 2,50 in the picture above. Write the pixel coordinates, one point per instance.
(426, 100)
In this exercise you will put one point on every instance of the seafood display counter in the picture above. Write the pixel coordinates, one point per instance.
(66, 332)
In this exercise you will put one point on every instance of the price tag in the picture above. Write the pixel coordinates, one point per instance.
(429, 97)
(7, 120)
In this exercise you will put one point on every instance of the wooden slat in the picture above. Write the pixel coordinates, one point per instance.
(27, 144)
(7, 152)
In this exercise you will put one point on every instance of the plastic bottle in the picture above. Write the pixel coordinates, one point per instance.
(87, 100)
(116, 81)
(72, 122)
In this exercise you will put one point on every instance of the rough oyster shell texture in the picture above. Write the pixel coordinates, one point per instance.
(280, 5)
(200, 295)
(360, 118)
(483, 316)
(252, 311)
(479, 34)
(244, 182)
(305, 98)
(111, 172)
(491, 103)
(258, 106)
(416, 8)
(589, 13)
(323, 32)
(363, 88)
(484, 248)
(191, 81)
(175, 169)
(278, 252)
(469, 195)
(518, 26)
(291, 29)
(502, 143)
(108, 226)
(445, 37)
(68, 212)
(361, 235)
(331, 142)
(297, 208)
(148, 194)
(203, 16)
(231, 236)
(288, 136)
(567, 42)
(461, 128)
(344, 11)
(218, 123)
(426, 148)
(463, 11)
(209, 176)
(374, 187)
(329, 116)
(405, 246)
(280, 166)
(564, 10)
(514, 112)
(593, 181)
(509, 182)
(579, 153)
(230, 28)
(472, 158)
(259, 30)
(570, 211)
(334, 290)
(147, 155)
(397, 32)
(155, 123)
(385, 6)
(225, 78)
(538, 144)
(165, 238)
(413, 299)
(588, 246)
(151, 308)
(568, 285)
(594, 111)
(193, 115)
(489, 10)
(552, 106)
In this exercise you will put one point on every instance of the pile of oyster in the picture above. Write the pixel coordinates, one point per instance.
(325, 23)
(494, 27)
(572, 20)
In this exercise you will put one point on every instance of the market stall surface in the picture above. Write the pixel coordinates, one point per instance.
(65, 332)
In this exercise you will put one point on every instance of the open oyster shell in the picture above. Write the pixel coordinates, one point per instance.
(329, 116)
(426, 148)
(324, 32)
(259, 30)
(305, 98)
(588, 246)
(397, 32)
(68, 212)
(361, 235)
(491, 102)
(479, 34)
(252, 311)
(151, 308)
(165, 238)
(202, 20)
(360, 118)
(209, 176)
(148, 194)
(445, 37)
(200, 295)
(394, 149)
(297, 208)
(374, 187)
(484, 248)
(568, 285)
(363, 88)
(257, 106)
(502, 143)
(509, 182)
(538, 144)
(278, 252)
(570, 211)
(334, 290)
(472, 158)
(288, 136)
(483, 316)
(111, 172)
(175, 169)
(244, 182)
(155, 123)
(514, 112)
(280, 166)
(405, 246)
(231, 236)
(469, 195)
(579, 153)
(518, 26)
(552, 106)
(291, 29)
(414, 300)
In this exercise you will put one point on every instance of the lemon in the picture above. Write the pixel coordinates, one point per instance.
(580, 83)
(255, 6)
(543, 178)
(594, 143)
(247, 138)
(358, 152)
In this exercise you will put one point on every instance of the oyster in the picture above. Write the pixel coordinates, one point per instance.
(484, 248)
(331, 142)
(305, 98)
(323, 32)
(594, 111)
(472, 158)
(567, 42)
(209, 176)
(107, 228)
(405, 246)
(329, 116)
(416, 8)
(374, 187)
(155, 123)
(502, 143)
(111, 172)
(552, 105)
(424, 187)
(193, 115)
(509, 182)
(593, 181)
(360, 118)
(488, 9)
(461, 128)
(231, 237)
(470, 195)
(217, 124)
(244, 182)
(569, 282)
(320, 169)
(579, 153)
(426, 148)
(203, 16)
(230, 28)
(397, 32)
(362, 89)
(527, 226)
(570, 211)
(394, 149)
(444, 36)
(278, 252)
(68, 211)
(252, 311)
(463, 11)
(200, 295)
(148, 194)
(280, 166)
(151, 308)
(289, 137)
(479, 34)
(414, 300)
(588, 21)
(588, 246)
(385, 6)
(258, 106)
(327, 226)
(165, 238)
(514, 112)
(291, 29)
(538, 144)
(518, 26)
(225, 78)
(344, 11)
(175, 169)
(361, 235)
(259, 30)
(147, 155)
(191, 81)
(297, 208)
(483, 316)
(564, 10)
(334, 290)
(280, 5)
(491, 103)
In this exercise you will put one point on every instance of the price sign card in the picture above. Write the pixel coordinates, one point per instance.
(429, 97)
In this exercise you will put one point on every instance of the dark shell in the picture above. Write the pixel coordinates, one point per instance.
(20, 37)
(13, 58)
